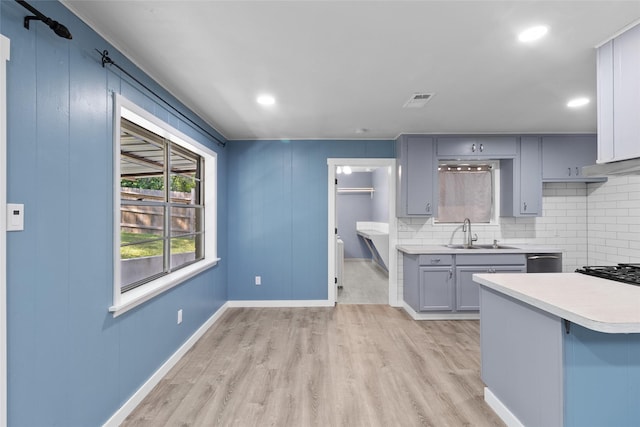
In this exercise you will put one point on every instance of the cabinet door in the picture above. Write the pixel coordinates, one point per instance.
(469, 147)
(605, 102)
(530, 177)
(564, 156)
(436, 288)
(626, 94)
(468, 291)
(419, 176)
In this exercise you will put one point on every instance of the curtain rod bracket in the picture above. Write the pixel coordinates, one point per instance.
(105, 58)
(57, 27)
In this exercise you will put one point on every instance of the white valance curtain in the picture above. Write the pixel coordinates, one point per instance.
(465, 194)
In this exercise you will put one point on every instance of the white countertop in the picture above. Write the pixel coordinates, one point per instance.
(598, 304)
(369, 233)
(443, 249)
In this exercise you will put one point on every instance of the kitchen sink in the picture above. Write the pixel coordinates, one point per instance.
(489, 246)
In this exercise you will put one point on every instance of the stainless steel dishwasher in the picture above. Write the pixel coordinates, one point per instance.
(544, 263)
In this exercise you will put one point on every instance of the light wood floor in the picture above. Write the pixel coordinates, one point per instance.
(353, 365)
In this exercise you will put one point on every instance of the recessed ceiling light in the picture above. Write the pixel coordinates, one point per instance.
(578, 102)
(266, 100)
(533, 33)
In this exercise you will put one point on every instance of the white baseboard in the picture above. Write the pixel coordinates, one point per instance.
(280, 303)
(438, 316)
(501, 411)
(119, 416)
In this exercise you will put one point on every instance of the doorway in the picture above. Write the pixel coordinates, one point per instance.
(362, 231)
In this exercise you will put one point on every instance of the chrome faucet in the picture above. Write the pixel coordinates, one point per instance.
(466, 229)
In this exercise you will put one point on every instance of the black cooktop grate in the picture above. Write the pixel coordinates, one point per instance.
(626, 273)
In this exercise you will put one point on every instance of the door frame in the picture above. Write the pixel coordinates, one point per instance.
(332, 164)
(4, 57)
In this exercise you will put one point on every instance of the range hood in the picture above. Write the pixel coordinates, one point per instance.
(622, 167)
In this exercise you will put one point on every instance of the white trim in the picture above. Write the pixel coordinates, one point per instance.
(280, 303)
(5, 48)
(142, 294)
(121, 414)
(618, 33)
(122, 107)
(332, 163)
(439, 316)
(501, 410)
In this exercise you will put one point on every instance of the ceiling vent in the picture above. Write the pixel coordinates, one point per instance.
(418, 100)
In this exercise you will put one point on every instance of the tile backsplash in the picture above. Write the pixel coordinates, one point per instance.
(613, 212)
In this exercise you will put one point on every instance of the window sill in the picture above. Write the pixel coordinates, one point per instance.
(142, 294)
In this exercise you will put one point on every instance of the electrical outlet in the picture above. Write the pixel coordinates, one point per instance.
(258, 280)
(179, 316)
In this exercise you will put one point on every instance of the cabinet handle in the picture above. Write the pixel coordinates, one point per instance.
(525, 206)
(481, 148)
(450, 273)
(428, 208)
(569, 171)
(473, 148)
(577, 171)
(435, 260)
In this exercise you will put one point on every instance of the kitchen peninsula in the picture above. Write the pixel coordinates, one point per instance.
(560, 349)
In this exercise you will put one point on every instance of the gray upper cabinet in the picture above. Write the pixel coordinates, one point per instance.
(492, 147)
(563, 157)
(416, 180)
(521, 181)
(619, 97)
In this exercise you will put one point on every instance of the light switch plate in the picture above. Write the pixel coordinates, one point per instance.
(15, 217)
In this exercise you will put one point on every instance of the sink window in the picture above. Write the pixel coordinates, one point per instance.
(467, 190)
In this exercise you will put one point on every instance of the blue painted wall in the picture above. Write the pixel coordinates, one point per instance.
(602, 379)
(351, 208)
(70, 363)
(278, 214)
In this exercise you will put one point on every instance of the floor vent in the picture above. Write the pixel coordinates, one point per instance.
(418, 100)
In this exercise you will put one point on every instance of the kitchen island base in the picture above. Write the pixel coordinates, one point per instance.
(541, 370)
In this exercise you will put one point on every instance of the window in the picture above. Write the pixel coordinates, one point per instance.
(165, 207)
(467, 190)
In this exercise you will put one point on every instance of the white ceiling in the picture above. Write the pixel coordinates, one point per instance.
(338, 66)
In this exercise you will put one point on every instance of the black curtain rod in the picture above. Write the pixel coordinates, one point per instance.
(107, 60)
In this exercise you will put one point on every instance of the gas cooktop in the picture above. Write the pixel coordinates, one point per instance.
(626, 273)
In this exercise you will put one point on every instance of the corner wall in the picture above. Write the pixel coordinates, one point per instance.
(278, 214)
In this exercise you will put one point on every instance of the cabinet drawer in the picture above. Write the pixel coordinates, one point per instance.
(491, 259)
(501, 146)
(435, 260)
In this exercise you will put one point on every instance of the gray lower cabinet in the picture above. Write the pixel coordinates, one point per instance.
(443, 282)
(468, 291)
(436, 288)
